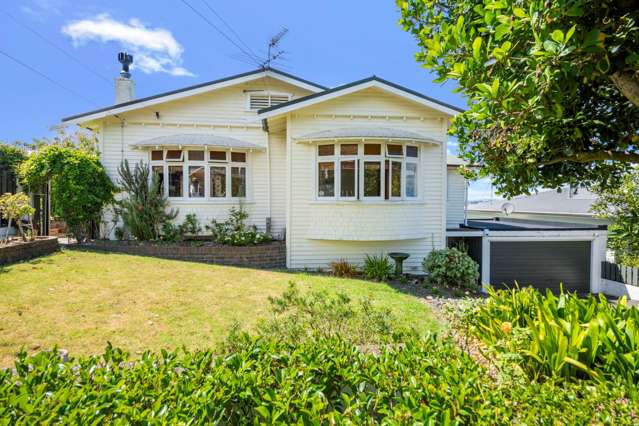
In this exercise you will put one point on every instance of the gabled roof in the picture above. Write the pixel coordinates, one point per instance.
(194, 90)
(356, 86)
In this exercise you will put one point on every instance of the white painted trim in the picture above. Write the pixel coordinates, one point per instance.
(617, 289)
(352, 89)
(193, 92)
(485, 263)
(460, 233)
(289, 195)
(444, 174)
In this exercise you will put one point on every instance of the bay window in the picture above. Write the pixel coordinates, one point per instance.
(367, 171)
(198, 174)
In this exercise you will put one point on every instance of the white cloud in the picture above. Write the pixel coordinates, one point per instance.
(154, 49)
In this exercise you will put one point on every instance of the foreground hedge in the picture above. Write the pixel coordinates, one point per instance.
(326, 380)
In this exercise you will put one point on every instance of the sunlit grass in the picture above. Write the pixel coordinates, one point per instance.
(79, 301)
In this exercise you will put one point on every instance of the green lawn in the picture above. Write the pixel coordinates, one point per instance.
(80, 300)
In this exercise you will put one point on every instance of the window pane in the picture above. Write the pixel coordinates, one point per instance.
(238, 157)
(395, 149)
(324, 150)
(372, 179)
(411, 179)
(348, 149)
(238, 181)
(196, 181)
(396, 179)
(196, 155)
(372, 149)
(174, 154)
(326, 180)
(159, 170)
(157, 155)
(347, 178)
(217, 156)
(411, 151)
(175, 181)
(218, 182)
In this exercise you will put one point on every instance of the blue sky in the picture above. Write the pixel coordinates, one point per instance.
(329, 42)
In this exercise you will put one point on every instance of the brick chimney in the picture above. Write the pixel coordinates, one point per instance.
(124, 86)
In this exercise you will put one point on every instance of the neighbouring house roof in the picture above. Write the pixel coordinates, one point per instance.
(372, 132)
(193, 90)
(195, 139)
(545, 202)
(356, 86)
(453, 160)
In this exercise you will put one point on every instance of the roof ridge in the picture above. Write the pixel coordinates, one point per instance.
(196, 86)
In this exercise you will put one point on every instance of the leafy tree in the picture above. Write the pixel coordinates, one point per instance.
(11, 156)
(621, 205)
(80, 187)
(553, 85)
(144, 209)
(84, 140)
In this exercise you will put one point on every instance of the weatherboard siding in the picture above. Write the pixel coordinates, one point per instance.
(456, 188)
(222, 112)
(323, 231)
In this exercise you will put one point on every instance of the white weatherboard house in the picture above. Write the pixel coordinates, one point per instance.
(337, 173)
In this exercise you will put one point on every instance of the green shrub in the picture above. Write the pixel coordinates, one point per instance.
(342, 268)
(451, 267)
(80, 187)
(378, 267)
(235, 232)
(144, 208)
(561, 336)
(297, 317)
(191, 225)
(325, 381)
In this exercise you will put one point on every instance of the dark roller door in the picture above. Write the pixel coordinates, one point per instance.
(542, 264)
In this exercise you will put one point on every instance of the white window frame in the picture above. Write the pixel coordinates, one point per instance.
(264, 93)
(207, 164)
(411, 160)
(360, 160)
(326, 159)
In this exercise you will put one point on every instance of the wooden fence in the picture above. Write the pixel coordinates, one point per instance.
(620, 273)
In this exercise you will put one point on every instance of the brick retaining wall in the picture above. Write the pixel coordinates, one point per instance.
(270, 255)
(17, 252)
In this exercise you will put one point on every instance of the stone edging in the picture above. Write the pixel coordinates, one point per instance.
(18, 252)
(269, 255)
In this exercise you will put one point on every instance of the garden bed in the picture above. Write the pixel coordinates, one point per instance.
(17, 250)
(267, 255)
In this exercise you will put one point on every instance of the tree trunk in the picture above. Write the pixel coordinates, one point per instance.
(628, 85)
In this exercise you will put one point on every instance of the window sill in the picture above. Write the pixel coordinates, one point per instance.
(229, 201)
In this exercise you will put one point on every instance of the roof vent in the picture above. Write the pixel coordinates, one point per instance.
(125, 59)
(124, 86)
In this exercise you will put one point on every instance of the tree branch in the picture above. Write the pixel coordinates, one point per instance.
(627, 84)
(587, 157)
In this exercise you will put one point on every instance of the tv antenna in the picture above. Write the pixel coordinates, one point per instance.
(273, 51)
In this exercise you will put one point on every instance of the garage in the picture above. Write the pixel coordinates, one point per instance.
(541, 254)
(544, 264)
